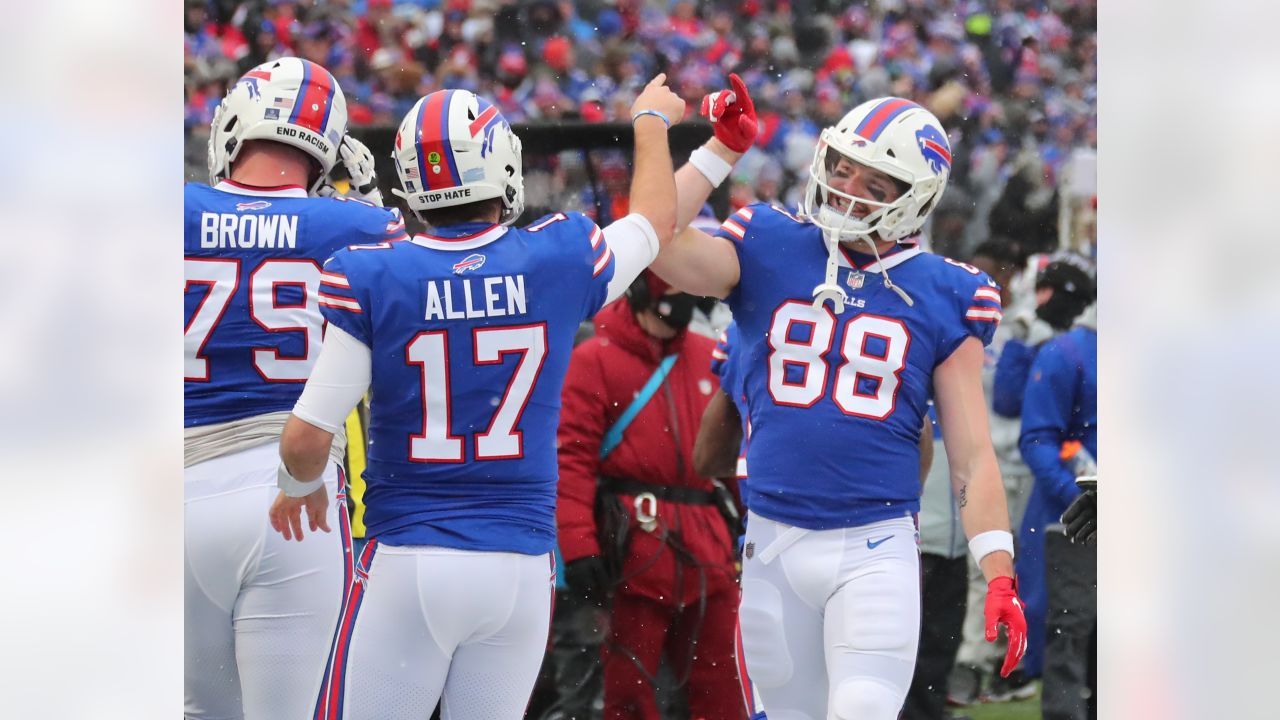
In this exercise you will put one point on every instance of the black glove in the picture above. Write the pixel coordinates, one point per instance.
(1081, 518)
(588, 579)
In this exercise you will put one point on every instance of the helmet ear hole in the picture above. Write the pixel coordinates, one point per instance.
(891, 153)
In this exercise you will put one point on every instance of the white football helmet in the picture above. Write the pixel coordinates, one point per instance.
(289, 100)
(895, 136)
(454, 147)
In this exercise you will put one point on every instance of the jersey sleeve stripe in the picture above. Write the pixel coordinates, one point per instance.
(983, 314)
(596, 236)
(734, 229)
(986, 293)
(334, 279)
(339, 303)
(745, 213)
(719, 354)
(603, 262)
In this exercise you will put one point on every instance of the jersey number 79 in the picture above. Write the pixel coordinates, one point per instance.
(222, 278)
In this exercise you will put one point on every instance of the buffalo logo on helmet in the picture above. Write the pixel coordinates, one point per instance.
(250, 81)
(935, 148)
(474, 261)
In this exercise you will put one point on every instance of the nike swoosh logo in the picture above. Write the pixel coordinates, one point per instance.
(873, 545)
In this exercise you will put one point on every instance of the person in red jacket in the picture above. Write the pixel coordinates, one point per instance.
(673, 586)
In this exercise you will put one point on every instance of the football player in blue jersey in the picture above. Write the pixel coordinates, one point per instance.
(260, 616)
(463, 335)
(839, 362)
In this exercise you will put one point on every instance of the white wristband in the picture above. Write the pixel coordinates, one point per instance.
(293, 487)
(983, 544)
(712, 166)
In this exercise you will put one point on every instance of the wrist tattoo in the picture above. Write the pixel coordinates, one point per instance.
(962, 499)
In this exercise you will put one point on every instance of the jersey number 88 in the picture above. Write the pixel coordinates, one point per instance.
(867, 380)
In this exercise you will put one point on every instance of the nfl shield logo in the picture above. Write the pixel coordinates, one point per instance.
(749, 550)
(856, 279)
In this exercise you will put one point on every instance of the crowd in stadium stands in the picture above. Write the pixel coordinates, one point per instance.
(1014, 81)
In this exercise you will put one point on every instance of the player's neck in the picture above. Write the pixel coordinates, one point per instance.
(268, 166)
(858, 246)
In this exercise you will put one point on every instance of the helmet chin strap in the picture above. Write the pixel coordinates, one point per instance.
(887, 282)
(830, 289)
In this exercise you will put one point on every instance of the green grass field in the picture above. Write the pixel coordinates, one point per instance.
(1028, 709)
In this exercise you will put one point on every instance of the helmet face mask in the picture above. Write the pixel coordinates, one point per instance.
(455, 148)
(291, 101)
(896, 137)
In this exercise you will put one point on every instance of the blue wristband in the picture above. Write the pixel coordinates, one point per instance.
(654, 113)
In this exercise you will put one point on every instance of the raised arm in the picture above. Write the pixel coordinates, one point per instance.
(695, 262)
(636, 239)
(733, 119)
(653, 192)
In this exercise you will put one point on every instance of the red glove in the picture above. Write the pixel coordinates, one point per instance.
(1004, 607)
(732, 115)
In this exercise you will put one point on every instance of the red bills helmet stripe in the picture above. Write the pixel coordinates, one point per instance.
(433, 137)
(315, 98)
(875, 122)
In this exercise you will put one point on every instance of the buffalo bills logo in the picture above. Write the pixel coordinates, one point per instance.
(252, 85)
(250, 81)
(934, 147)
(474, 261)
(255, 205)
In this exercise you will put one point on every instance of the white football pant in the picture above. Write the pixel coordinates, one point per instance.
(465, 628)
(830, 619)
(260, 610)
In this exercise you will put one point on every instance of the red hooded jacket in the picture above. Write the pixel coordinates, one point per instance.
(605, 374)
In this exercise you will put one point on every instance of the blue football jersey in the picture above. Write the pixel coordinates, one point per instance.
(252, 267)
(470, 335)
(836, 402)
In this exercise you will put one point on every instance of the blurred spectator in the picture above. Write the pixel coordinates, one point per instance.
(1060, 442)
(1014, 81)
(1063, 289)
